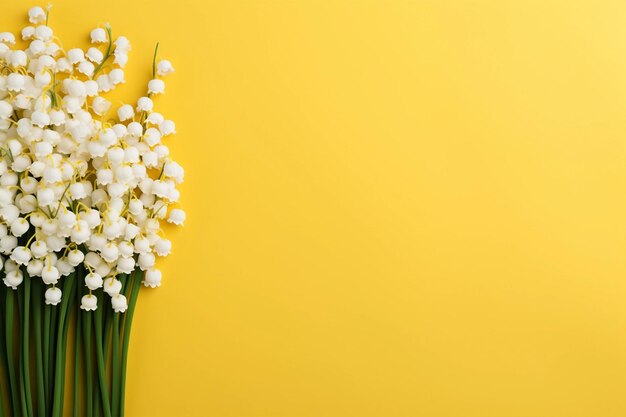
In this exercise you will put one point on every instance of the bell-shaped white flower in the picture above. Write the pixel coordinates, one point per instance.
(116, 76)
(36, 15)
(34, 267)
(99, 35)
(125, 265)
(146, 261)
(64, 267)
(112, 286)
(156, 86)
(119, 303)
(125, 112)
(177, 217)
(13, 279)
(7, 244)
(163, 247)
(44, 33)
(19, 227)
(45, 196)
(164, 67)
(94, 55)
(80, 232)
(152, 278)
(53, 296)
(50, 274)
(100, 105)
(89, 302)
(15, 82)
(75, 257)
(39, 249)
(6, 109)
(93, 281)
(144, 104)
(76, 55)
(21, 255)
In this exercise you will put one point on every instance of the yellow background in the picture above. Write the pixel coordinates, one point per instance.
(395, 208)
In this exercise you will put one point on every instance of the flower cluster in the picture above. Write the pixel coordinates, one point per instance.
(82, 185)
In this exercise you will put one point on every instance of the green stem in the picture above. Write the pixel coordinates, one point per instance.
(61, 342)
(106, 344)
(41, 390)
(154, 57)
(115, 365)
(77, 340)
(26, 346)
(100, 359)
(3, 355)
(88, 363)
(128, 321)
(107, 54)
(20, 359)
(52, 353)
(108, 324)
(97, 407)
(66, 326)
(47, 318)
(10, 310)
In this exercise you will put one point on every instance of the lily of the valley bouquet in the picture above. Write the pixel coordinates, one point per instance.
(84, 187)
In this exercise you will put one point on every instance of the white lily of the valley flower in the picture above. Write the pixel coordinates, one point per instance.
(152, 278)
(93, 281)
(164, 67)
(53, 296)
(177, 217)
(98, 35)
(119, 303)
(13, 279)
(89, 302)
(156, 86)
(36, 15)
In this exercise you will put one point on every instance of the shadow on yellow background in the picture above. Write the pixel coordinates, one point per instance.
(395, 208)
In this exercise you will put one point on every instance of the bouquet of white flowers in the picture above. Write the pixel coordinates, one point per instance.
(83, 190)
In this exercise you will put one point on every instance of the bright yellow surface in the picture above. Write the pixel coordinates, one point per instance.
(395, 208)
